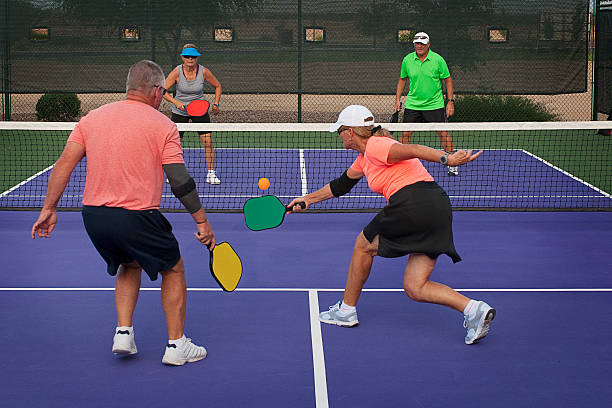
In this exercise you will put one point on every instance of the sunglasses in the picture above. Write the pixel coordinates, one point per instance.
(189, 56)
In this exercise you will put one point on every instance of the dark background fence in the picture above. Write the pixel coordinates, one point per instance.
(298, 60)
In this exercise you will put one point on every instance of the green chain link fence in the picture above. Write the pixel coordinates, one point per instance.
(300, 61)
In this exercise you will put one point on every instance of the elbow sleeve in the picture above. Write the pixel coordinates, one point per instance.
(183, 187)
(342, 185)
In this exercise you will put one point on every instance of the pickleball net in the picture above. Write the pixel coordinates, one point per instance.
(524, 166)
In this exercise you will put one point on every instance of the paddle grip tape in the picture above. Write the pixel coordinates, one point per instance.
(342, 185)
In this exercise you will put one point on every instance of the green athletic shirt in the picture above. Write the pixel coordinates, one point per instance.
(425, 90)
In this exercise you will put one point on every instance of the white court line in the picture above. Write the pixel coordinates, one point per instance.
(25, 181)
(568, 174)
(318, 357)
(32, 289)
(303, 173)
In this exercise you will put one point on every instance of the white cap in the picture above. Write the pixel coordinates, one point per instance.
(421, 37)
(353, 115)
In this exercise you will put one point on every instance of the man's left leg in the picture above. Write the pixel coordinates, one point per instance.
(127, 288)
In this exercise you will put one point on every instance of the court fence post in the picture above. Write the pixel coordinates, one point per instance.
(5, 63)
(152, 28)
(595, 82)
(300, 38)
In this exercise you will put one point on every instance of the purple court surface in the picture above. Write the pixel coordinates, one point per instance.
(548, 274)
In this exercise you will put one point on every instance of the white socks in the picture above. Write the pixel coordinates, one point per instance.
(178, 342)
(346, 309)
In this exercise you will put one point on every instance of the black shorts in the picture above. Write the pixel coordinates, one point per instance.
(123, 236)
(176, 118)
(418, 219)
(425, 116)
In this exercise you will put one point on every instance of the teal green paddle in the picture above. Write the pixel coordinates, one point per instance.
(265, 212)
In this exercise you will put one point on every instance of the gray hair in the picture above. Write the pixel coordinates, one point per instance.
(143, 74)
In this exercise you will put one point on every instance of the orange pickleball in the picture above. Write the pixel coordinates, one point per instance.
(264, 183)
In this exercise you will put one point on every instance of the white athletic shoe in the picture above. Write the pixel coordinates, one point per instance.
(186, 353)
(335, 316)
(453, 171)
(123, 342)
(479, 324)
(211, 177)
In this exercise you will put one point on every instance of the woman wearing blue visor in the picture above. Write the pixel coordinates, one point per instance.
(189, 78)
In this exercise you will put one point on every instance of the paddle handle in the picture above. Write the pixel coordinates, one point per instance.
(302, 204)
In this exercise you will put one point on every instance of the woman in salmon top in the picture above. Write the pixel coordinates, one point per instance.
(417, 220)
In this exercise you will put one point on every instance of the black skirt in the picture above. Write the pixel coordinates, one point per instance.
(418, 219)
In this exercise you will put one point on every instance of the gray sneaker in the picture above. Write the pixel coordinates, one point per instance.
(332, 316)
(478, 326)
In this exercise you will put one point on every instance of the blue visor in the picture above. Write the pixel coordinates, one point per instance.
(190, 52)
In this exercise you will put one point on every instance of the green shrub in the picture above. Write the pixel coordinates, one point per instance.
(58, 107)
(496, 108)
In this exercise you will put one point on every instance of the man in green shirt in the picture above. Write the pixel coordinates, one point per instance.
(425, 102)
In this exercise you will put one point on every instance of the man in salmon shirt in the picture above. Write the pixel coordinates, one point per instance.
(129, 145)
(416, 221)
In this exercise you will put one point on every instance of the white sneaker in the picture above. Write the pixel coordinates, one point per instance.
(479, 324)
(335, 316)
(185, 353)
(211, 177)
(453, 171)
(123, 342)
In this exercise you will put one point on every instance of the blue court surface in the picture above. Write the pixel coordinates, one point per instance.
(548, 274)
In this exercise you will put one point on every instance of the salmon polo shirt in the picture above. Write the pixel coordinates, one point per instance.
(126, 143)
